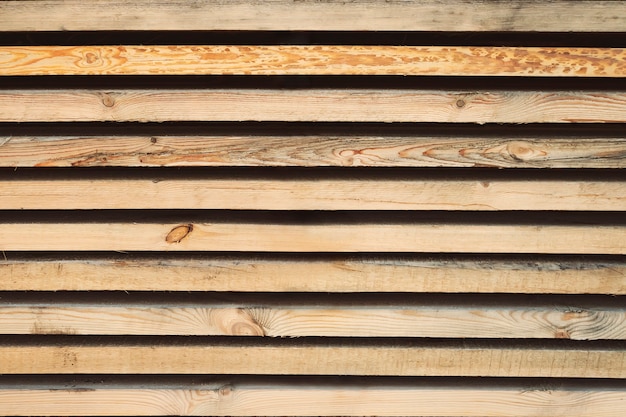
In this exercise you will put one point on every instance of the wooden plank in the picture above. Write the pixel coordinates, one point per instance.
(429, 15)
(449, 321)
(302, 359)
(323, 237)
(339, 274)
(312, 60)
(313, 194)
(313, 105)
(302, 150)
(320, 400)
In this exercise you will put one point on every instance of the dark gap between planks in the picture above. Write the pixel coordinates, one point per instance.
(308, 341)
(165, 299)
(255, 37)
(316, 217)
(108, 381)
(470, 84)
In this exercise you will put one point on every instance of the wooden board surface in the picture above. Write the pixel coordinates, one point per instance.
(135, 288)
(430, 15)
(313, 194)
(312, 60)
(282, 399)
(453, 321)
(338, 274)
(295, 359)
(313, 105)
(323, 237)
(302, 150)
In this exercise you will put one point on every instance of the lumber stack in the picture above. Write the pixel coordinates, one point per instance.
(400, 208)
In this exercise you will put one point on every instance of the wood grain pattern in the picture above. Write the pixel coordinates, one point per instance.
(210, 358)
(452, 286)
(429, 15)
(330, 321)
(303, 150)
(346, 274)
(312, 60)
(281, 399)
(313, 194)
(410, 237)
(313, 105)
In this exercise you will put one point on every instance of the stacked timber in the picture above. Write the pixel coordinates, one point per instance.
(257, 208)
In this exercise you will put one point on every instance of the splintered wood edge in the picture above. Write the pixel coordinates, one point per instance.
(338, 275)
(429, 15)
(340, 151)
(312, 60)
(320, 360)
(313, 105)
(272, 400)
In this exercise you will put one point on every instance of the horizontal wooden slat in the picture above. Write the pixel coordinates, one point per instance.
(296, 321)
(295, 359)
(574, 239)
(312, 60)
(312, 105)
(345, 400)
(430, 15)
(324, 275)
(313, 194)
(302, 150)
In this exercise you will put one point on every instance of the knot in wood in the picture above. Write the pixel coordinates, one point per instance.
(519, 150)
(239, 322)
(178, 233)
(90, 58)
(108, 100)
(562, 334)
(225, 391)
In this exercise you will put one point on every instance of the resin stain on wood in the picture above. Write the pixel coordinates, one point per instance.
(312, 60)
(312, 150)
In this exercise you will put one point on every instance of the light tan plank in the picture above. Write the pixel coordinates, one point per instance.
(274, 399)
(312, 105)
(312, 60)
(313, 194)
(574, 239)
(429, 15)
(333, 321)
(313, 360)
(393, 151)
(300, 275)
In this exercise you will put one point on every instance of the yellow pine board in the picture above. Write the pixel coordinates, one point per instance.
(273, 399)
(313, 105)
(395, 15)
(532, 276)
(295, 359)
(311, 150)
(330, 321)
(313, 194)
(311, 60)
(476, 238)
